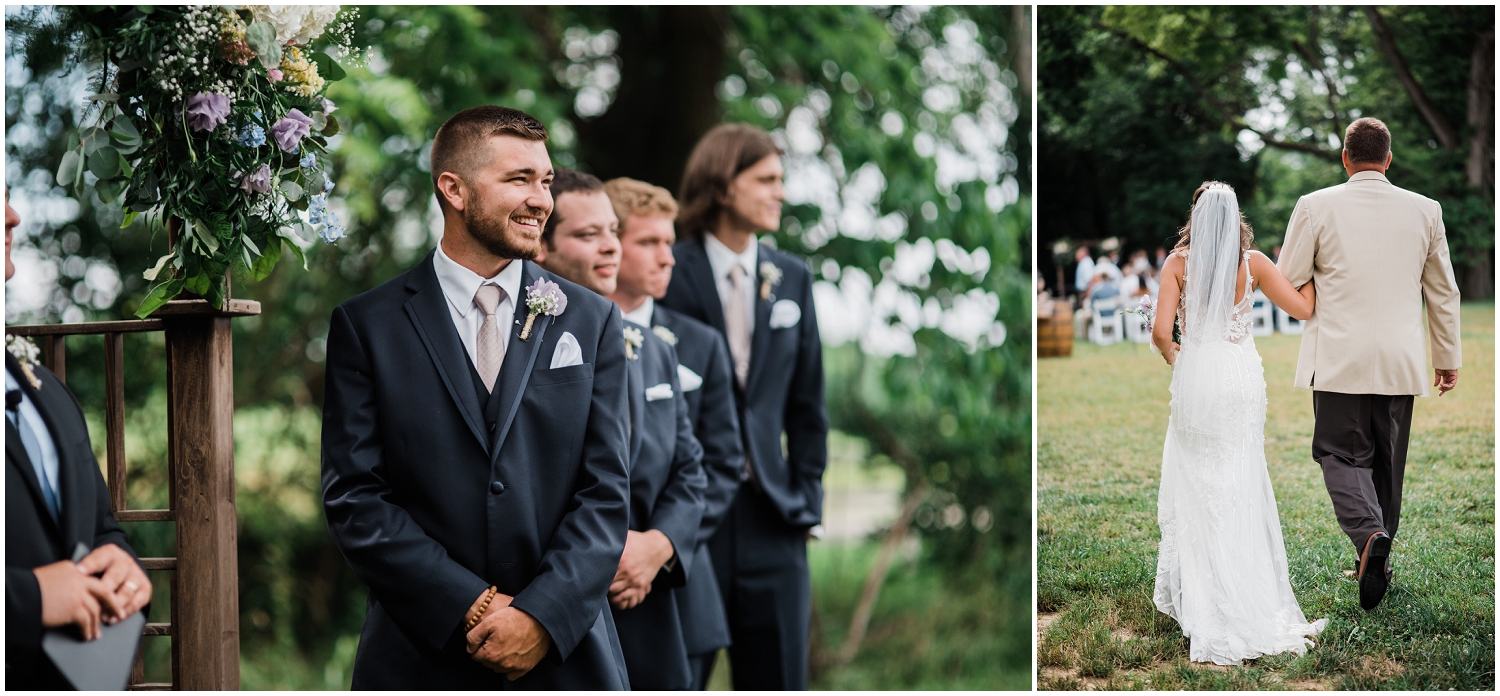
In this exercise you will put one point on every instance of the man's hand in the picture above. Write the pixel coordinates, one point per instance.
(71, 597)
(122, 576)
(509, 641)
(1444, 380)
(645, 554)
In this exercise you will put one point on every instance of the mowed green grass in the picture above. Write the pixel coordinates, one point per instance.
(1102, 416)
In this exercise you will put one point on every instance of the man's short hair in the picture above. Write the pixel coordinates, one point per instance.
(567, 181)
(1367, 141)
(456, 147)
(632, 197)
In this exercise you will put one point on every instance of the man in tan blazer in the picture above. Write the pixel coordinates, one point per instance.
(1377, 253)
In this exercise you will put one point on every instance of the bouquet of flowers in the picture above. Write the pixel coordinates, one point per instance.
(1147, 310)
(215, 117)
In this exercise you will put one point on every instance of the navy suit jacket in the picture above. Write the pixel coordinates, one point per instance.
(666, 494)
(32, 537)
(716, 424)
(430, 506)
(784, 388)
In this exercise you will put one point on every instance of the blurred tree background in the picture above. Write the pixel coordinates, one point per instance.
(907, 133)
(1142, 104)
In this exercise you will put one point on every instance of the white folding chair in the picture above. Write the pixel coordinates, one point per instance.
(1107, 326)
(1136, 330)
(1261, 318)
(1287, 324)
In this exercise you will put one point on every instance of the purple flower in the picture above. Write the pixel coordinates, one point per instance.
(290, 130)
(207, 111)
(328, 106)
(274, 74)
(257, 181)
(545, 297)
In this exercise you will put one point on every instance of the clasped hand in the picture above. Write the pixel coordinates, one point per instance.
(645, 554)
(507, 640)
(72, 595)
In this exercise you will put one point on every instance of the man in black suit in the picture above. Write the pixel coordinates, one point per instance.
(55, 500)
(646, 214)
(474, 441)
(761, 300)
(666, 478)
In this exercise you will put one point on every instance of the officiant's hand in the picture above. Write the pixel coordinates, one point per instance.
(645, 554)
(509, 641)
(71, 597)
(122, 576)
(1444, 380)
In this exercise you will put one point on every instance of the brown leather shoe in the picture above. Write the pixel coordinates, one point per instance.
(1373, 580)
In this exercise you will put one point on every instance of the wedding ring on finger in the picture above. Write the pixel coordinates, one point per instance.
(130, 585)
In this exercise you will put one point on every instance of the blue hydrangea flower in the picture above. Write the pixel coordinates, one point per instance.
(327, 185)
(317, 208)
(332, 231)
(252, 136)
(308, 161)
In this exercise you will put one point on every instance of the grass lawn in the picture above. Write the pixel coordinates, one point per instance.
(1102, 416)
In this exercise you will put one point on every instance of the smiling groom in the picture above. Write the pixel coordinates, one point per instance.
(474, 441)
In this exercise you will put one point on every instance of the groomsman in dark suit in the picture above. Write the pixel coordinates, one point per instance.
(666, 479)
(761, 300)
(646, 215)
(474, 441)
(55, 501)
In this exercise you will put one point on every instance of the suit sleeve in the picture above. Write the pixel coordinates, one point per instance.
(425, 591)
(679, 506)
(569, 590)
(718, 429)
(806, 416)
(23, 608)
(1440, 290)
(1299, 246)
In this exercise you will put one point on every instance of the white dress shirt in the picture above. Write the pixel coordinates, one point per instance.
(722, 259)
(461, 284)
(642, 314)
(1084, 274)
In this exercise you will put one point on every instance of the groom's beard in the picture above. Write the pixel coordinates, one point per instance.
(495, 233)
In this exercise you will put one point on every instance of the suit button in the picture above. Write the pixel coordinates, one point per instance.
(497, 487)
(492, 427)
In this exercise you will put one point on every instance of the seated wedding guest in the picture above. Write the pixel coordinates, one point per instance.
(761, 300)
(1109, 266)
(1130, 285)
(646, 215)
(475, 445)
(1085, 271)
(55, 501)
(580, 243)
(1138, 261)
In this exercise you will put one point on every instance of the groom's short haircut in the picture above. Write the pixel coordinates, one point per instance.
(567, 181)
(1367, 141)
(456, 149)
(634, 197)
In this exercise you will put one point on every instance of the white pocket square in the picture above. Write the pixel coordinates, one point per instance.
(689, 379)
(567, 352)
(785, 313)
(659, 392)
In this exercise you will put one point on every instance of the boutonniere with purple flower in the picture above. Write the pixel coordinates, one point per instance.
(543, 297)
(633, 340)
(25, 352)
(770, 277)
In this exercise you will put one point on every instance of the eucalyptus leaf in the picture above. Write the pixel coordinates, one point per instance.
(124, 128)
(332, 128)
(108, 190)
(129, 147)
(67, 171)
(104, 162)
(291, 189)
(93, 139)
(261, 37)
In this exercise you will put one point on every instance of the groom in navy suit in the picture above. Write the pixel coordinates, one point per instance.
(761, 300)
(474, 441)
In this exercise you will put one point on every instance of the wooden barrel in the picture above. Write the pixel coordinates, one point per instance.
(1054, 333)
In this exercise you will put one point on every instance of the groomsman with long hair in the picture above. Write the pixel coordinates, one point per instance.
(646, 215)
(666, 478)
(760, 299)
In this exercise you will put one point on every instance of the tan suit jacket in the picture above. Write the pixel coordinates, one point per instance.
(1376, 253)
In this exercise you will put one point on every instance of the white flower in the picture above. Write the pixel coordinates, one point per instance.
(665, 334)
(297, 24)
(633, 341)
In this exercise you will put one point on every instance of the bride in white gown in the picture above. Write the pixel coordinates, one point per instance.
(1221, 569)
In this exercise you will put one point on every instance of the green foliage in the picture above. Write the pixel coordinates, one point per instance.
(1102, 415)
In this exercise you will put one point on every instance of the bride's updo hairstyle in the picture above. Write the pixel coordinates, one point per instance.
(1185, 235)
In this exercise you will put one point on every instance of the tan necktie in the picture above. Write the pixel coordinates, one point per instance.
(737, 324)
(489, 348)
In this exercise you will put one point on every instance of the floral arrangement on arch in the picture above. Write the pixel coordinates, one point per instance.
(215, 117)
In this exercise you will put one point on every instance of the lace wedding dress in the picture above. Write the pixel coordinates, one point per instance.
(1221, 569)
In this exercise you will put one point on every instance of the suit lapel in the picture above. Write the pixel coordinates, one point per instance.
(15, 455)
(428, 310)
(635, 393)
(68, 504)
(520, 357)
(760, 341)
(701, 277)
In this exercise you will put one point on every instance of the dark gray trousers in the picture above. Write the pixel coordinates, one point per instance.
(1360, 441)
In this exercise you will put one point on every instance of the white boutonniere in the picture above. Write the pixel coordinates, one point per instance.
(665, 334)
(633, 341)
(770, 277)
(25, 352)
(543, 297)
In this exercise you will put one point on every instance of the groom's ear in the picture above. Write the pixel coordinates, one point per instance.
(452, 189)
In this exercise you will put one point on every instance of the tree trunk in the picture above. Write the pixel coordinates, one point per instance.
(1446, 136)
(671, 58)
(860, 622)
(1481, 163)
(1021, 25)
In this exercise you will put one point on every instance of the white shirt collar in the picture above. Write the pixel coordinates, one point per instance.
(461, 284)
(642, 314)
(1367, 175)
(721, 258)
